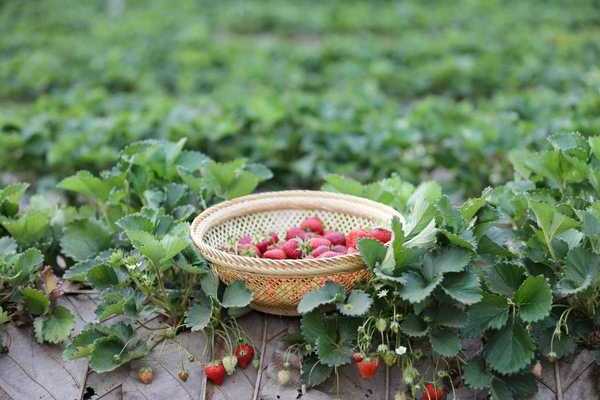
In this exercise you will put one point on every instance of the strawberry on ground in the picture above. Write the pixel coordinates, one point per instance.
(383, 235)
(367, 367)
(215, 372)
(312, 224)
(274, 254)
(146, 375)
(432, 392)
(335, 238)
(244, 353)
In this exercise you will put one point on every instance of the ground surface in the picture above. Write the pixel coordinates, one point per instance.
(33, 371)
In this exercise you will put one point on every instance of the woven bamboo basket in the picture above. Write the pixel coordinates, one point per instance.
(278, 285)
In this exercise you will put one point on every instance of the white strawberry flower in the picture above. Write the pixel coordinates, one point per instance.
(400, 350)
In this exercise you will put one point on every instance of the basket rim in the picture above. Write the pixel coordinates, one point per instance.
(289, 268)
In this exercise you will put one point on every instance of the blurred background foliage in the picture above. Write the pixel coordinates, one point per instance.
(366, 89)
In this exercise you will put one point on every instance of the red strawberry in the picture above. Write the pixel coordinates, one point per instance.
(358, 357)
(317, 242)
(383, 235)
(335, 238)
(295, 232)
(351, 250)
(368, 367)
(338, 248)
(432, 392)
(312, 224)
(274, 254)
(244, 353)
(292, 249)
(319, 250)
(354, 236)
(264, 244)
(215, 372)
(329, 254)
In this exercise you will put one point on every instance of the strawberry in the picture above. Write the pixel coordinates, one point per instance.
(329, 254)
(319, 250)
(351, 250)
(292, 249)
(432, 392)
(229, 363)
(357, 357)
(354, 236)
(335, 238)
(383, 235)
(215, 372)
(317, 242)
(274, 254)
(368, 367)
(264, 244)
(338, 248)
(248, 250)
(183, 375)
(244, 353)
(312, 224)
(283, 377)
(146, 375)
(295, 232)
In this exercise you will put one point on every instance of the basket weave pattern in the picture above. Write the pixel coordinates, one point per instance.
(278, 285)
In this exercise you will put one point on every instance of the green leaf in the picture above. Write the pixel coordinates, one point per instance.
(510, 349)
(499, 390)
(534, 299)
(55, 326)
(28, 228)
(336, 349)
(83, 344)
(107, 354)
(451, 259)
(314, 327)
(27, 263)
(414, 326)
(329, 293)
(471, 207)
(417, 288)
(594, 143)
(84, 239)
(36, 301)
(210, 284)
(357, 304)
(582, 268)
(551, 221)
(490, 313)
(102, 276)
(475, 374)
(236, 295)
(463, 287)
(372, 252)
(314, 372)
(444, 341)
(147, 245)
(197, 317)
(341, 184)
(88, 185)
(136, 222)
(504, 278)
(8, 246)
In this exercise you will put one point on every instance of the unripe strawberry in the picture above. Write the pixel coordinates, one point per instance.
(229, 363)
(146, 375)
(183, 375)
(381, 324)
(283, 377)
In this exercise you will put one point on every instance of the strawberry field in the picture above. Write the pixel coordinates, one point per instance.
(476, 122)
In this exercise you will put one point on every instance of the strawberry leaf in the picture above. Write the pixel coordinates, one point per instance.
(329, 293)
(534, 299)
(357, 304)
(510, 349)
(236, 295)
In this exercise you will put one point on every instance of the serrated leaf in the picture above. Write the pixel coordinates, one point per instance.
(581, 269)
(414, 326)
(83, 344)
(314, 372)
(450, 259)
(55, 326)
(490, 313)
(313, 327)
(499, 390)
(8, 246)
(357, 304)
(372, 252)
(444, 341)
(534, 299)
(28, 228)
(475, 374)
(36, 301)
(105, 353)
(27, 263)
(510, 349)
(147, 245)
(83, 182)
(210, 284)
(336, 349)
(197, 317)
(136, 222)
(463, 287)
(417, 288)
(504, 278)
(329, 293)
(236, 295)
(102, 276)
(84, 239)
(550, 220)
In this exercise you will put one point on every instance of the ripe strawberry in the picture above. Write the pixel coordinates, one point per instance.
(183, 375)
(264, 244)
(146, 375)
(383, 235)
(357, 357)
(329, 254)
(338, 248)
(351, 250)
(215, 372)
(295, 232)
(229, 363)
(312, 224)
(354, 236)
(368, 367)
(335, 238)
(274, 254)
(292, 249)
(319, 250)
(432, 392)
(317, 242)
(244, 353)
